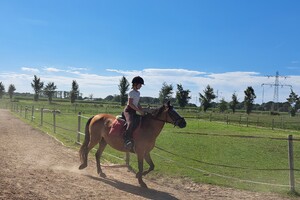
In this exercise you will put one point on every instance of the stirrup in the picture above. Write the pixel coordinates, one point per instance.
(128, 144)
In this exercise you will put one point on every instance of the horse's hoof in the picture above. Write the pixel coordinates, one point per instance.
(102, 175)
(143, 185)
(82, 166)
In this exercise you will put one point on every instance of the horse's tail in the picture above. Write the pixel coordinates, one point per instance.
(83, 148)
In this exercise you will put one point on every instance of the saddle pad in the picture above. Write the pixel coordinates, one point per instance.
(118, 127)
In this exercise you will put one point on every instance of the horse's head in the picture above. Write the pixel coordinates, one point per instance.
(167, 113)
(173, 117)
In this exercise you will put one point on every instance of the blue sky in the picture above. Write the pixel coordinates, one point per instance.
(228, 44)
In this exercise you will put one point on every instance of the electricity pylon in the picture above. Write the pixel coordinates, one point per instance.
(276, 85)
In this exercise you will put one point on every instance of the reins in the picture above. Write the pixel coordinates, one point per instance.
(161, 120)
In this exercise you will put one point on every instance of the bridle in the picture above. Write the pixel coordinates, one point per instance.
(173, 115)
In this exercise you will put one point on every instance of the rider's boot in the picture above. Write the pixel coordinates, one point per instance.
(128, 142)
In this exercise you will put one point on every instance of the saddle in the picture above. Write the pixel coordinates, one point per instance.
(119, 126)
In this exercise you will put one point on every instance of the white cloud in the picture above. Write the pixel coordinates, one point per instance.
(171, 72)
(78, 68)
(20, 81)
(29, 69)
(158, 72)
(125, 73)
(52, 69)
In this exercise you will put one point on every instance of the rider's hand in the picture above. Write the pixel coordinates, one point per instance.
(142, 112)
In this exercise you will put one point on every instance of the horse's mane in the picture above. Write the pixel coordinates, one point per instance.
(155, 112)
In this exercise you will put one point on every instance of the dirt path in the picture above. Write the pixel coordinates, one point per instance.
(36, 166)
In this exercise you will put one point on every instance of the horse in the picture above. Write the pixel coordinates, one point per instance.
(97, 131)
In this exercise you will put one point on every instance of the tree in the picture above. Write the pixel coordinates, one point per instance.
(123, 87)
(109, 98)
(37, 86)
(165, 93)
(182, 96)
(234, 102)
(206, 98)
(74, 93)
(11, 90)
(294, 101)
(223, 105)
(49, 91)
(2, 90)
(249, 99)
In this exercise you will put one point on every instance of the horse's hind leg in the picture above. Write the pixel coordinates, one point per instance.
(84, 158)
(150, 162)
(85, 155)
(102, 145)
(85, 150)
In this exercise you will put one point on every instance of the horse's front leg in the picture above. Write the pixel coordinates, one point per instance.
(139, 175)
(102, 145)
(150, 163)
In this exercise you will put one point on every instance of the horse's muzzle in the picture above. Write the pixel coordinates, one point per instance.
(181, 123)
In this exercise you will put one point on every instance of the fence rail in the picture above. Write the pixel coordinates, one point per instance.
(51, 120)
(259, 120)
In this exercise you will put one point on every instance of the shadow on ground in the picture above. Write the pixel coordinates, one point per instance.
(136, 190)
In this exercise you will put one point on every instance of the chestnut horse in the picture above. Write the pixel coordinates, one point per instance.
(98, 128)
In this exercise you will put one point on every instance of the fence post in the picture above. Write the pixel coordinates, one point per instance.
(273, 124)
(42, 115)
(32, 113)
(54, 121)
(78, 128)
(247, 121)
(25, 112)
(127, 160)
(291, 163)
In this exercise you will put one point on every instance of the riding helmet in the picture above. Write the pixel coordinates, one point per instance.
(138, 80)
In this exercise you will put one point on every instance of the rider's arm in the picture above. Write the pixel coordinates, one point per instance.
(138, 109)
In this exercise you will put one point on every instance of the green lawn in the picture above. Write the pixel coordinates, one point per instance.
(220, 154)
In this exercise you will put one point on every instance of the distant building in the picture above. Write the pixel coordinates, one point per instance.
(64, 94)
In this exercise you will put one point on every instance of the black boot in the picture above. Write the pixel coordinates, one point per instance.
(128, 142)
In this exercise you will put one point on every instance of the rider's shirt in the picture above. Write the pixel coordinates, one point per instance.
(135, 95)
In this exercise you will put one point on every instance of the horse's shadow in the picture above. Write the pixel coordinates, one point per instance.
(136, 190)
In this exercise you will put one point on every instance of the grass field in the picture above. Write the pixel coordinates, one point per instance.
(232, 155)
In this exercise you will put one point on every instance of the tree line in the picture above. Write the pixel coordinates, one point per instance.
(207, 98)
(182, 97)
(40, 88)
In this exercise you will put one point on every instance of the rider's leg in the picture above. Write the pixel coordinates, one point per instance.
(129, 130)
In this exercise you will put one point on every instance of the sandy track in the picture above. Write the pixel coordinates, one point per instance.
(36, 166)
